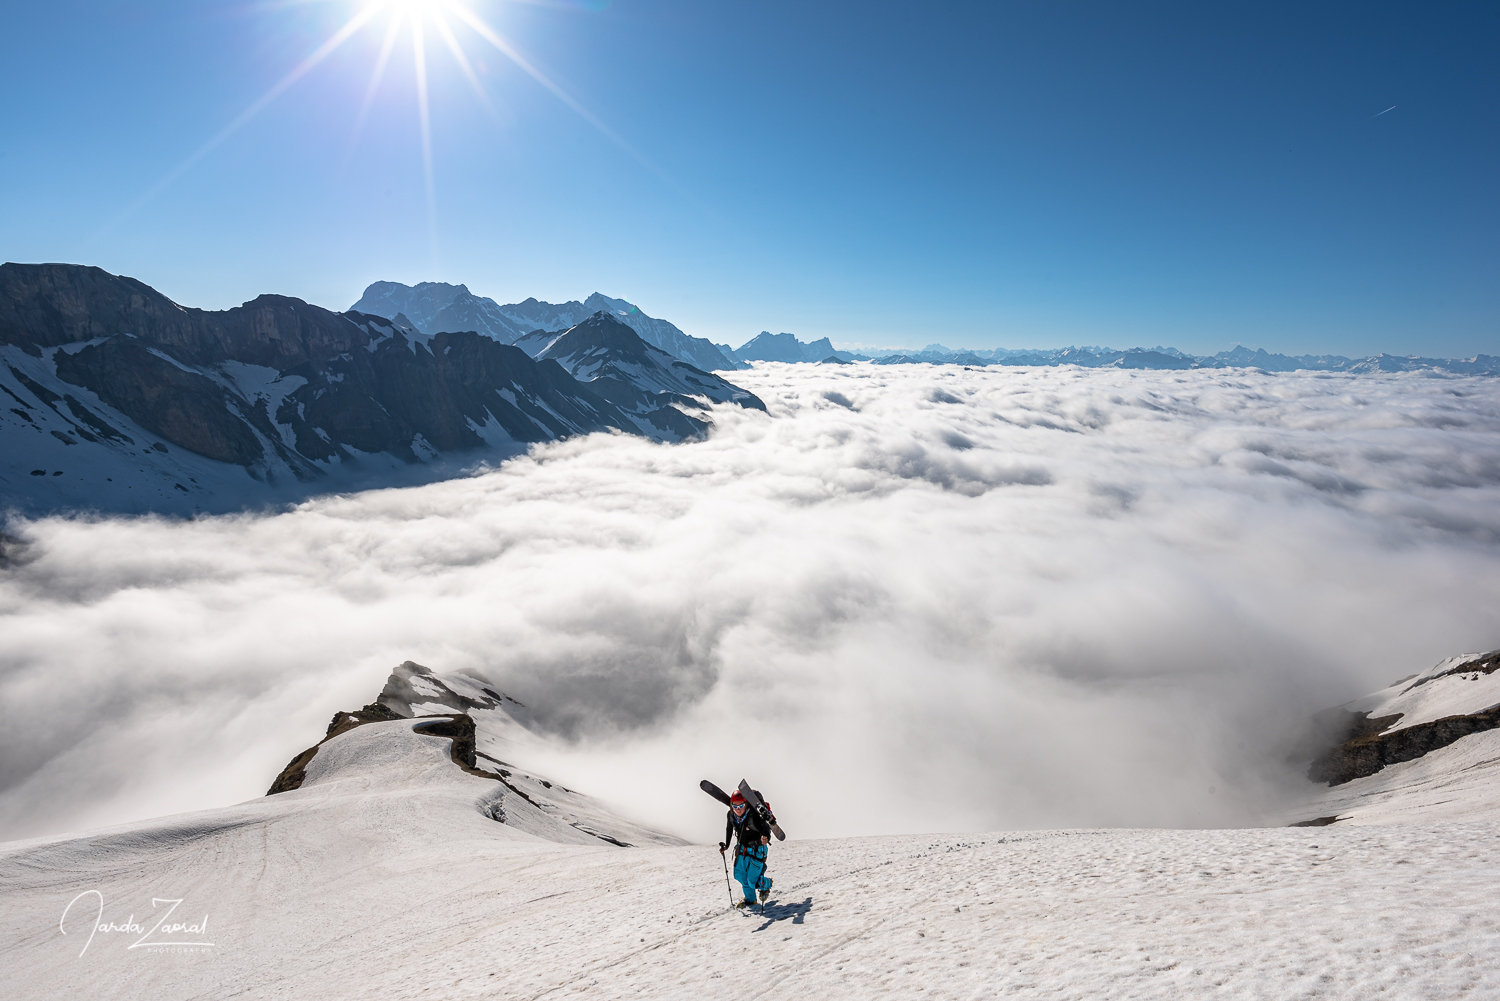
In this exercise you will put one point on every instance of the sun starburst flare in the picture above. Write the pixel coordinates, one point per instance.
(415, 16)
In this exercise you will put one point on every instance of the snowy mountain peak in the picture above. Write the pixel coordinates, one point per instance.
(436, 307)
(608, 355)
(601, 336)
(620, 307)
(414, 690)
(123, 400)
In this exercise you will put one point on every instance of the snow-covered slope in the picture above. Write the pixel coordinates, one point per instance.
(531, 802)
(617, 364)
(1456, 782)
(1462, 685)
(1426, 747)
(401, 867)
(538, 341)
(408, 862)
(437, 306)
(381, 878)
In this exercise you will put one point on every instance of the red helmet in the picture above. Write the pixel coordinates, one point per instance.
(736, 798)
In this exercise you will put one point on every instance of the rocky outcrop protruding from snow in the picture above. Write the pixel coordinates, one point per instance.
(486, 734)
(412, 690)
(1368, 742)
(1424, 748)
(1412, 717)
(1369, 752)
(295, 772)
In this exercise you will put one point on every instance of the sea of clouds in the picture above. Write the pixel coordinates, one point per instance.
(908, 598)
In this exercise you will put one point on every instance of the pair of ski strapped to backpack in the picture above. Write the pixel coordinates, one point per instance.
(753, 798)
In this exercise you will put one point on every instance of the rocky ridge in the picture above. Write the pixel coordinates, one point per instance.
(604, 353)
(143, 404)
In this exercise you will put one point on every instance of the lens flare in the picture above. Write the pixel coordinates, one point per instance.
(413, 17)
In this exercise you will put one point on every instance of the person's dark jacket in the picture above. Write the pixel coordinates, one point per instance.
(750, 830)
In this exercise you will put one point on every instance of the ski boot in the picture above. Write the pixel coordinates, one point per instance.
(765, 890)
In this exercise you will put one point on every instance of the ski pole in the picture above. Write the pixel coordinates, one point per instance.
(725, 860)
(762, 879)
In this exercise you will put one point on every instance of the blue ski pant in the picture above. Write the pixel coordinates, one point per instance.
(749, 867)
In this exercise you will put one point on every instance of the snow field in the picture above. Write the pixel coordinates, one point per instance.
(381, 878)
(1404, 912)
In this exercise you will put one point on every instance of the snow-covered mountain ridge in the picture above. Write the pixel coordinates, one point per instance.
(1452, 699)
(603, 352)
(485, 738)
(437, 306)
(125, 401)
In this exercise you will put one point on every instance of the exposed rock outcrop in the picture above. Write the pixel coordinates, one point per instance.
(1364, 743)
(296, 770)
(1370, 748)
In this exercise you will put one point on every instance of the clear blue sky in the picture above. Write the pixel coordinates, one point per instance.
(980, 174)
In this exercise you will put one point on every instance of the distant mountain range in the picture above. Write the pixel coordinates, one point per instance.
(786, 348)
(118, 399)
(433, 307)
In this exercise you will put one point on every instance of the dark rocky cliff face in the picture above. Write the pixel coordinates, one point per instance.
(45, 305)
(1363, 746)
(182, 407)
(347, 381)
(1367, 752)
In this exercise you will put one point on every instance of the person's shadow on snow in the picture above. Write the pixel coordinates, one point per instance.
(780, 912)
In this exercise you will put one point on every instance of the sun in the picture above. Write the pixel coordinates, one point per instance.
(453, 23)
(412, 6)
